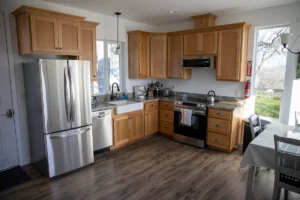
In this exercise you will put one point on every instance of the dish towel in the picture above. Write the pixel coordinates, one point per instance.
(186, 116)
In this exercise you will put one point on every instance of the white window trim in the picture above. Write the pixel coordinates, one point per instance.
(121, 63)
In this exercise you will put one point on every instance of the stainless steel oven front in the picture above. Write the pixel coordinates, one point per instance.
(195, 134)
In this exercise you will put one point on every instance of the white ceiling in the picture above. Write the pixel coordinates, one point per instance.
(155, 12)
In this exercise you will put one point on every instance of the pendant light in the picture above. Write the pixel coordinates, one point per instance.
(117, 52)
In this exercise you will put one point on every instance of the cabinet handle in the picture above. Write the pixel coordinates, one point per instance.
(218, 126)
(217, 140)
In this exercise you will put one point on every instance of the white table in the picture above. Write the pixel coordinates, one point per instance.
(261, 151)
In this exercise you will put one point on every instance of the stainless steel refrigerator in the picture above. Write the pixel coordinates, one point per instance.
(59, 114)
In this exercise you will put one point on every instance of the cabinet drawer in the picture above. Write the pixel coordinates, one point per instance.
(166, 105)
(219, 126)
(166, 127)
(218, 140)
(151, 105)
(220, 114)
(166, 115)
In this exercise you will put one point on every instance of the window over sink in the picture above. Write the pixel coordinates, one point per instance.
(109, 68)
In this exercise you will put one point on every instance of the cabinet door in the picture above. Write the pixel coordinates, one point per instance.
(44, 34)
(121, 133)
(191, 44)
(88, 41)
(158, 56)
(229, 55)
(69, 37)
(209, 43)
(151, 122)
(144, 55)
(136, 125)
(175, 53)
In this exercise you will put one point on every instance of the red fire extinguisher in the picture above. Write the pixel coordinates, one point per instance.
(247, 89)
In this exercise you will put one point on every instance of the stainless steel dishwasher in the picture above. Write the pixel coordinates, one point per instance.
(102, 130)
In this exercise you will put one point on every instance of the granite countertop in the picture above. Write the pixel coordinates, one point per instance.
(219, 105)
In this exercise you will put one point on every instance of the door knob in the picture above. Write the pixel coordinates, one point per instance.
(9, 113)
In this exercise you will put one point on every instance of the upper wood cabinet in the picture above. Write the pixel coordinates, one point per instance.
(175, 53)
(138, 55)
(232, 54)
(46, 32)
(158, 55)
(88, 46)
(69, 35)
(204, 43)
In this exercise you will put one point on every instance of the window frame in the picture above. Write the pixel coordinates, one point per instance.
(254, 90)
(106, 71)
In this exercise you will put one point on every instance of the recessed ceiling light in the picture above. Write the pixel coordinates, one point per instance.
(172, 11)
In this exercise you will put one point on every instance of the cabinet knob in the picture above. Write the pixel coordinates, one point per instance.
(166, 127)
(218, 126)
(166, 115)
(217, 140)
(219, 114)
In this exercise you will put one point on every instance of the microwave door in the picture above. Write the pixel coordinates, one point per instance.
(55, 95)
(203, 63)
(80, 93)
(189, 62)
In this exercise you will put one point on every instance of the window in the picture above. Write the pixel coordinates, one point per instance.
(270, 71)
(108, 67)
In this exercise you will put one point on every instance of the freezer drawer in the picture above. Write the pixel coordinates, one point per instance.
(69, 150)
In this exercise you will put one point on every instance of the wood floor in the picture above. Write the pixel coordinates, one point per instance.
(155, 168)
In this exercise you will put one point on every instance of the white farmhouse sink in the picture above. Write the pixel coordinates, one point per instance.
(125, 106)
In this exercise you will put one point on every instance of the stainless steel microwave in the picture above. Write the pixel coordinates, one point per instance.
(204, 62)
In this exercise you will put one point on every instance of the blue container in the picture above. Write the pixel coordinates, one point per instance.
(184, 97)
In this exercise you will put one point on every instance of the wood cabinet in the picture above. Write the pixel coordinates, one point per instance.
(175, 54)
(120, 130)
(138, 55)
(158, 55)
(224, 128)
(127, 127)
(88, 46)
(166, 117)
(136, 125)
(204, 43)
(232, 54)
(151, 118)
(46, 32)
(69, 35)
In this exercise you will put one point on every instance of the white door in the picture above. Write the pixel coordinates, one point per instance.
(8, 143)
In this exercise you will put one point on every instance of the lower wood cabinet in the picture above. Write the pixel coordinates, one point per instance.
(224, 128)
(151, 122)
(120, 129)
(136, 125)
(127, 127)
(166, 117)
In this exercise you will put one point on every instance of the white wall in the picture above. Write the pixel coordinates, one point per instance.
(105, 30)
(280, 15)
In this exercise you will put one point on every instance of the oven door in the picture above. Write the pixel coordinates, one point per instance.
(197, 129)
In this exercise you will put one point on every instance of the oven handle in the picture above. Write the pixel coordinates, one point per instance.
(195, 112)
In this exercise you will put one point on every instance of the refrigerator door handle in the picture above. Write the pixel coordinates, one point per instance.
(69, 134)
(72, 117)
(67, 94)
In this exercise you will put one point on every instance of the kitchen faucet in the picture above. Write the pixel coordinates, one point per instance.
(112, 90)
